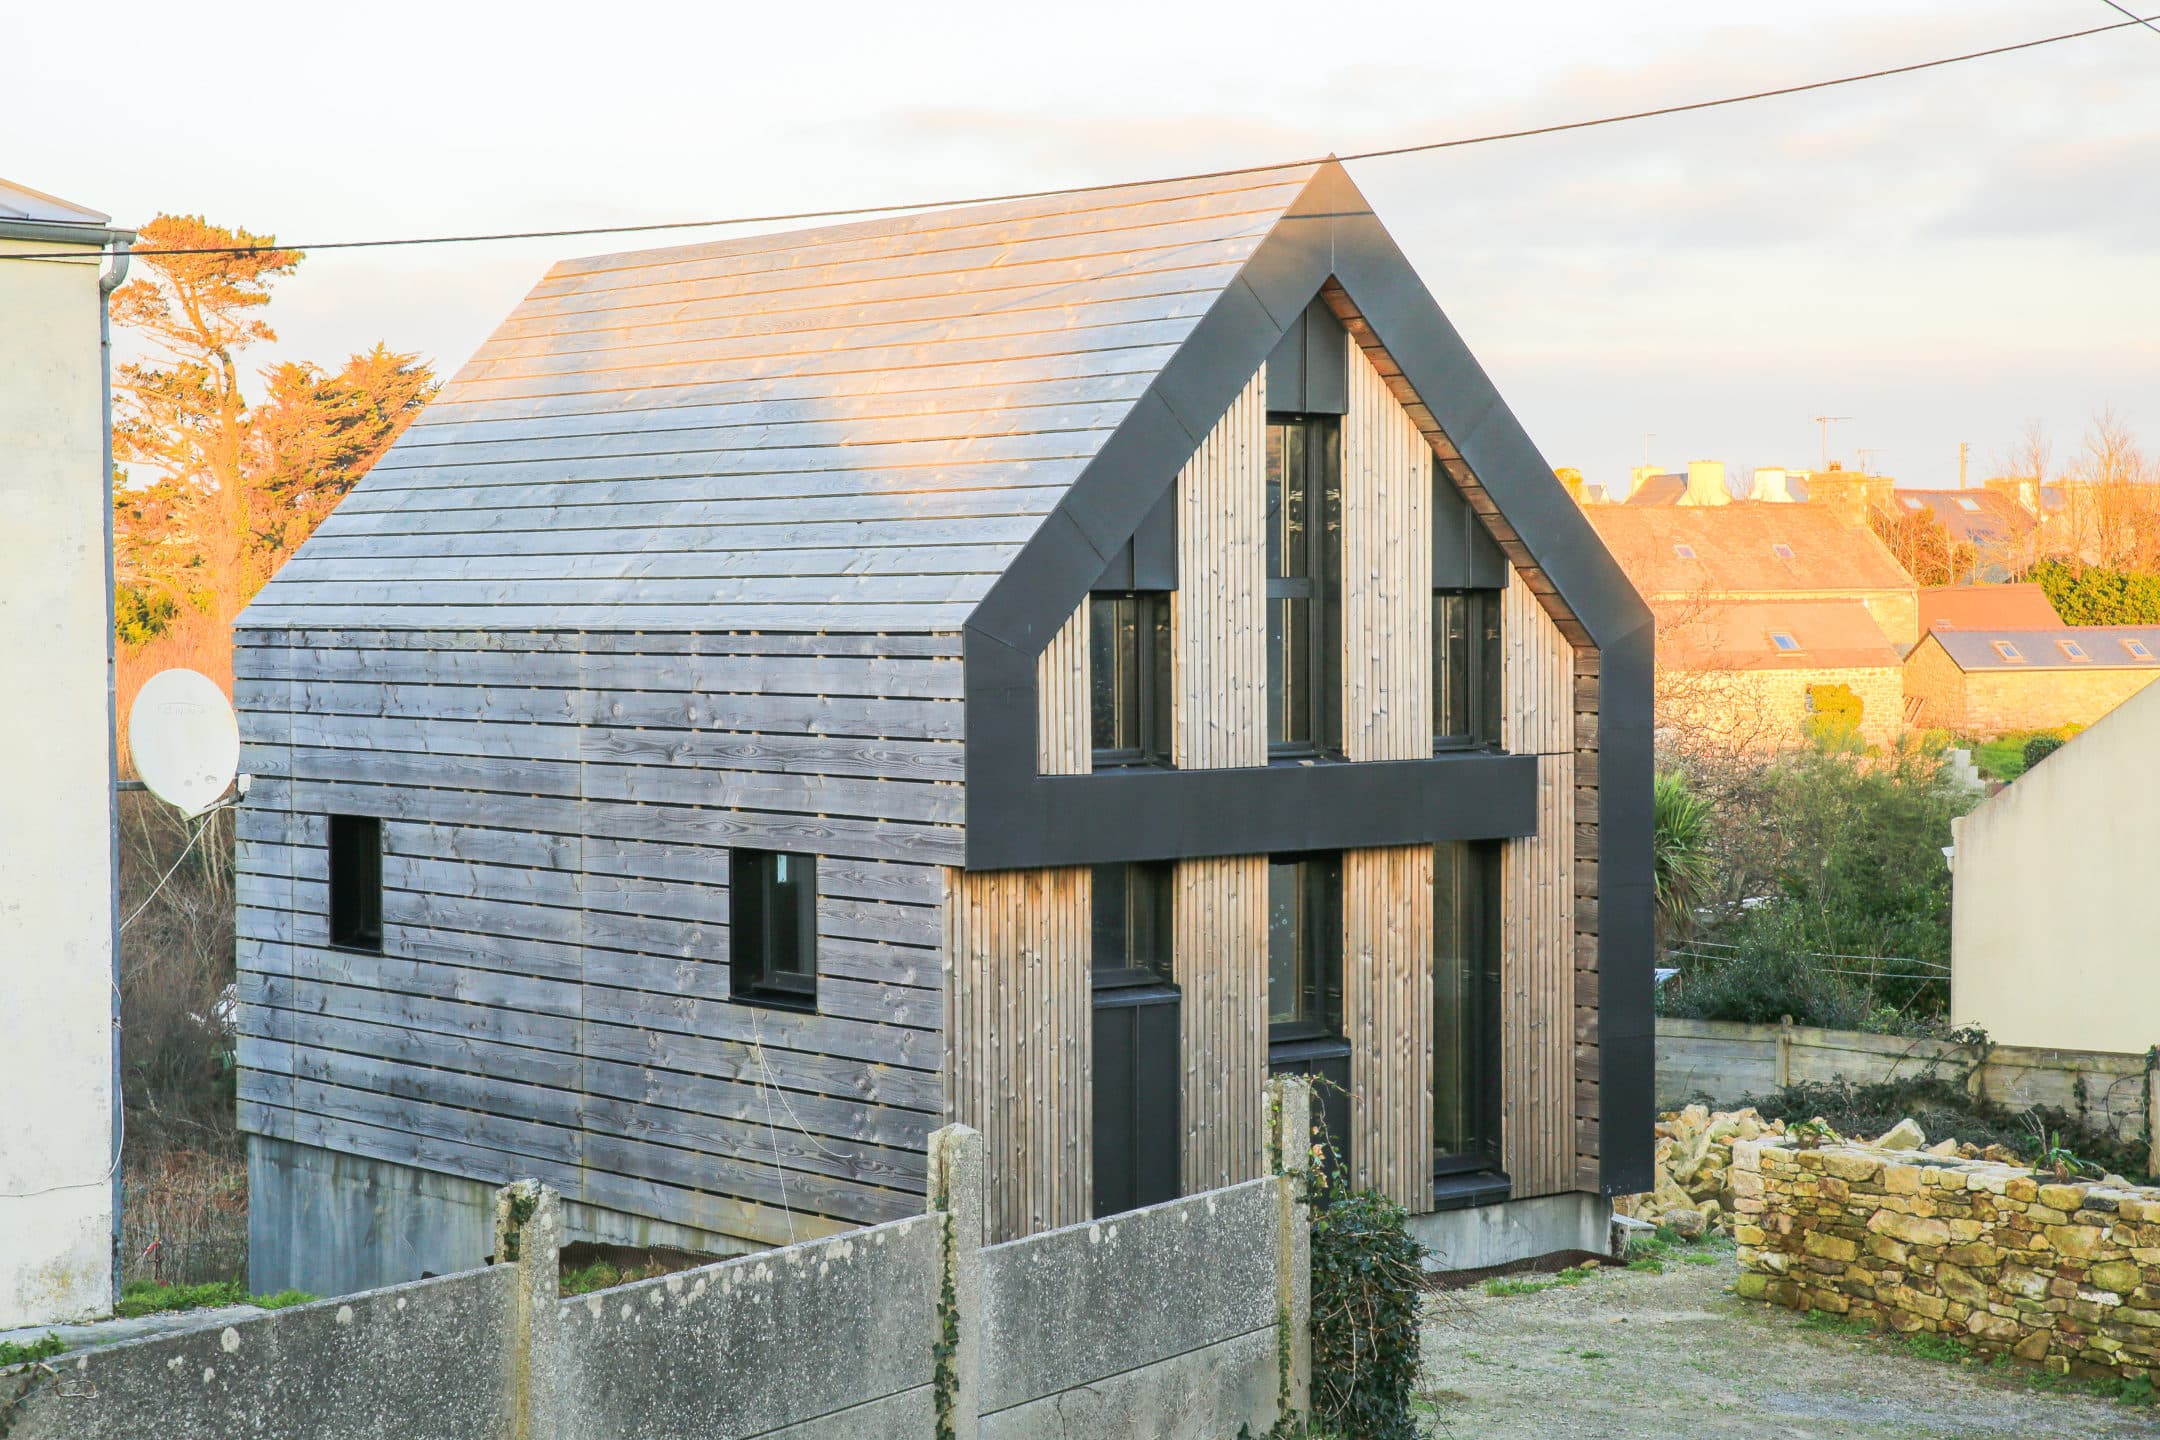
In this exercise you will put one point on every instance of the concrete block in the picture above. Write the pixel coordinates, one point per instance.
(1203, 1395)
(1482, 1235)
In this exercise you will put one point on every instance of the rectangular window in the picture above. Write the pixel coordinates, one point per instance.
(772, 927)
(2138, 649)
(1685, 552)
(1305, 947)
(1466, 1006)
(1129, 671)
(1132, 924)
(1784, 641)
(1304, 585)
(2072, 649)
(1466, 669)
(356, 882)
(1783, 552)
(2008, 651)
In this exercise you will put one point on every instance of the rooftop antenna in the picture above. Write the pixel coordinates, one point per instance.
(185, 741)
(1826, 421)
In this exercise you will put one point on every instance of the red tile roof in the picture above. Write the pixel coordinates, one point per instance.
(1675, 551)
(1986, 607)
(1771, 635)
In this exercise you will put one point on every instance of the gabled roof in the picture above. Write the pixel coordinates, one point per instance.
(20, 202)
(2106, 647)
(855, 427)
(1972, 517)
(1986, 607)
(1674, 550)
(1659, 490)
(1745, 635)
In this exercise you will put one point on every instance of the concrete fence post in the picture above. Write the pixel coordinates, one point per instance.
(956, 1197)
(1290, 1157)
(1784, 1052)
(528, 1235)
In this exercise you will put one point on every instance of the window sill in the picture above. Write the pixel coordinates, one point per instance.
(347, 948)
(1461, 1192)
(768, 1000)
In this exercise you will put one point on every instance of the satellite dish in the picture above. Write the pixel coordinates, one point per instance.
(184, 739)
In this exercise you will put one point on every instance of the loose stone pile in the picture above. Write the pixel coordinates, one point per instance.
(1694, 1152)
(2067, 1274)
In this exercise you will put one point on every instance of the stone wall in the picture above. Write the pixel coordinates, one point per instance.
(1997, 701)
(2066, 1274)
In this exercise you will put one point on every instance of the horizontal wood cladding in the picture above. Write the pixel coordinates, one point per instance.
(552, 996)
(1537, 992)
(1388, 1016)
(1220, 957)
(1387, 551)
(1017, 1040)
(1219, 610)
(1063, 718)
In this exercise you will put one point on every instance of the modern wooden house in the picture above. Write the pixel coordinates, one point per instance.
(1044, 666)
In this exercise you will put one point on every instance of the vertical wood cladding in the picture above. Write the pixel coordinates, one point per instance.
(1018, 1038)
(1387, 554)
(1219, 611)
(1220, 954)
(1537, 1006)
(1537, 715)
(1063, 737)
(1388, 1015)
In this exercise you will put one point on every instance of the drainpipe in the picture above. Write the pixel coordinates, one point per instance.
(117, 254)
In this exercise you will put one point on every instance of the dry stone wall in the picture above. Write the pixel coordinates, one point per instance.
(2065, 1274)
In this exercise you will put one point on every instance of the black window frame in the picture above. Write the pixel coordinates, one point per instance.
(355, 902)
(1142, 707)
(1319, 925)
(755, 929)
(1477, 939)
(1134, 945)
(1318, 551)
(1481, 610)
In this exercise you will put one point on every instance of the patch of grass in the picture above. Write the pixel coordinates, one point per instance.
(1835, 1324)
(1647, 1265)
(604, 1275)
(146, 1297)
(1947, 1350)
(15, 1353)
(1508, 1285)
(1702, 1257)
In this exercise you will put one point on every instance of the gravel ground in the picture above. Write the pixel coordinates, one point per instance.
(1677, 1355)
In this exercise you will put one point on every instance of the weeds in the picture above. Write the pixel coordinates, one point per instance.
(15, 1353)
(1942, 1349)
(145, 1297)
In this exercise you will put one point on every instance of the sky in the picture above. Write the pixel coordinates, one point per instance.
(1941, 257)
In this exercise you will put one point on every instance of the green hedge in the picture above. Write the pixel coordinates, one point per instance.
(2089, 595)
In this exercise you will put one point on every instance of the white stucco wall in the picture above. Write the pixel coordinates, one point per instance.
(2055, 910)
(56, 1033)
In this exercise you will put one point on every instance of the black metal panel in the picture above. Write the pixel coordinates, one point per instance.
(1154, 546)
(1326, 1060)
(1016, 818)
(1460, 1192)
(1307, 370)
(1465, 556)
(1137, 1131)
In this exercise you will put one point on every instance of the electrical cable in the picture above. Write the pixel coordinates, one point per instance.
(1386, 152)
(2142, 20)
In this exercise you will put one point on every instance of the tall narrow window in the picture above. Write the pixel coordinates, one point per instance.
(1466, 1007)
(1129, 668)
(1304, 584)
(772, 927)
(1305, 997)
(1466, 669)
(356, 882)
(1132, 923)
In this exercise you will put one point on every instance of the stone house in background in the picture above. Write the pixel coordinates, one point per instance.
(1756, 668)
(1046, 666)
(1991, 682)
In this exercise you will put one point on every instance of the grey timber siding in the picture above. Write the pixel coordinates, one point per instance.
(552, 994)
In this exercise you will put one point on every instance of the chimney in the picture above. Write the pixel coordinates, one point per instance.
(1637, 476)
(1706, 484)
(1771, 486)
(1570, 480)
(1842, 493)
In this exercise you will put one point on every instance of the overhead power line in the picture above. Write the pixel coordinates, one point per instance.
(1382, 153)
(2125, 10)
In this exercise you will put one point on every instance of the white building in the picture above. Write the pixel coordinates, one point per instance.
(57, 926)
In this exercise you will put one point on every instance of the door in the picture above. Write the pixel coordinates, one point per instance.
(1136, 1096)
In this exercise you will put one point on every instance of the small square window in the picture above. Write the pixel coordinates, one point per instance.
(1132, 923)
(1784, 641)
(772, 928)
(2138, 649)
(2007, 650)
(356, 882)
(2074, 650)
(1912, 504)
(1685, 552)
(1968, 504)
(1782, 551)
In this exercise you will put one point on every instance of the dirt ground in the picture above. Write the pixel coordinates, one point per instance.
(1677, 1355)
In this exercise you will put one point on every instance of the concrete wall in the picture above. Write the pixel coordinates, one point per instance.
(1184, 1320)
(331, 1223)
(1727, 1061)
(56, 903)
(2053, 927)
(421, 1362)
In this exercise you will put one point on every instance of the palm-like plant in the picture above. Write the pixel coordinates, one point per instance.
(1680, 845)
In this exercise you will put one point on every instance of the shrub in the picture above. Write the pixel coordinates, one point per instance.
(1367, 1277)
(2039, 748)
(1834, 709)
(1765, 977)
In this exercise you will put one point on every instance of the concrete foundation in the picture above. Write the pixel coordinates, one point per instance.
(1513, 1230)
(333, 1224)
